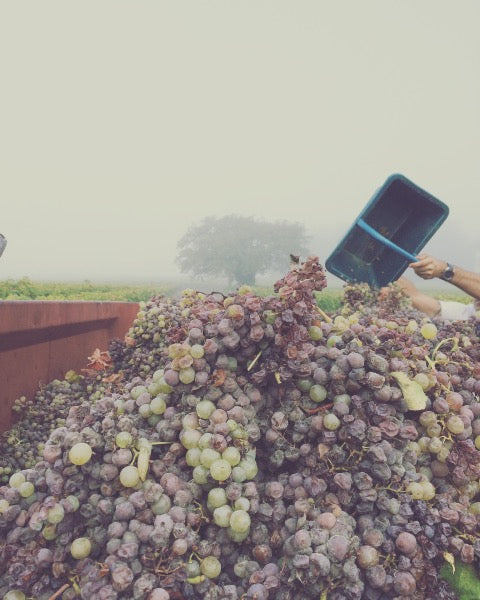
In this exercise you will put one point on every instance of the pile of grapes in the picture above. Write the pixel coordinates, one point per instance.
(254, 448)
(22, 446)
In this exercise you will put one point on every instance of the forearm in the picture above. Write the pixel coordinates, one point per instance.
(429, 267)
(467, 281)
(420, 301)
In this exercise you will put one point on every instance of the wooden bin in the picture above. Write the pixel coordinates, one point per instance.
(41, 341)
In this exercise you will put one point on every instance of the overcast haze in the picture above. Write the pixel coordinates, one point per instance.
(124, 123)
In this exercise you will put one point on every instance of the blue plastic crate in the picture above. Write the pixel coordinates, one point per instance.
(393, 227)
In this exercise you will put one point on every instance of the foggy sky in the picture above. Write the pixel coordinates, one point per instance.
(124, 123)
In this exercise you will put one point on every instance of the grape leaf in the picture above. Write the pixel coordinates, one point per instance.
(412, 391)
(463, 579)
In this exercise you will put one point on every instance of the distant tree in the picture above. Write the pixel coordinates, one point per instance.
(239, 248)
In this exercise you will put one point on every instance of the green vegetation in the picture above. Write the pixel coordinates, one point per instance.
(25, 289)
(455, 295)
(329, 300)
(463, 580)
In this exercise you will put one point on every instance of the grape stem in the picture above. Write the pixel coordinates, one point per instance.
(323, 314)
(59, 592)
(73, 578)
(282, 436)
(15, 441)
(203, 517)
(432, 360)
(314, 411)
(331, 468)
(194, 554)
(466, 536)
(391, 489)
(254, 361)
(135, 455)
(162, 571)
(297, 576)
(137, 452)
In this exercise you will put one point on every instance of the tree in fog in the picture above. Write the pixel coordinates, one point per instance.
(239, 248)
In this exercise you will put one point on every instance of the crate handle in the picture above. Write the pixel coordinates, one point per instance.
(378, 236)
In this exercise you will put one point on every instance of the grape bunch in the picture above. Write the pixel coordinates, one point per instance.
(21, 447)
(145, 341)
(250, 448)
(357, 296)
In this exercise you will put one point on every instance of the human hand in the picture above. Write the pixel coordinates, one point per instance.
(428, 267)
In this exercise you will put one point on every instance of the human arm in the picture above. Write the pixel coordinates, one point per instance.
(429, 267)
(422, 302)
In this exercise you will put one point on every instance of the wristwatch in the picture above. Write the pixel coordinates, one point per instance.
(448, 273)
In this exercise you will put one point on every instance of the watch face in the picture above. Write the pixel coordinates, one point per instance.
(448, 273)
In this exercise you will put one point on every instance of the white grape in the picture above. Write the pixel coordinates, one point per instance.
(55, 514)
(192, 457)
(197, 351)
(80, 453)
(238, 474)
(80, 548)
(200, 474)
(211, 567)
(14, 595)
(232, 455)
(429, 331)
(221, 515)
(415, 490)
(208, 457)
(217, 497)
(205, 408)
(250, 468)
(189, 438)
(16, 480)
(123, 439)
(242, 503)
(26, 489)
(129, 476)
(220, 470)
(205, 440)
(186, 375)
(240, 521)
(158, 405)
